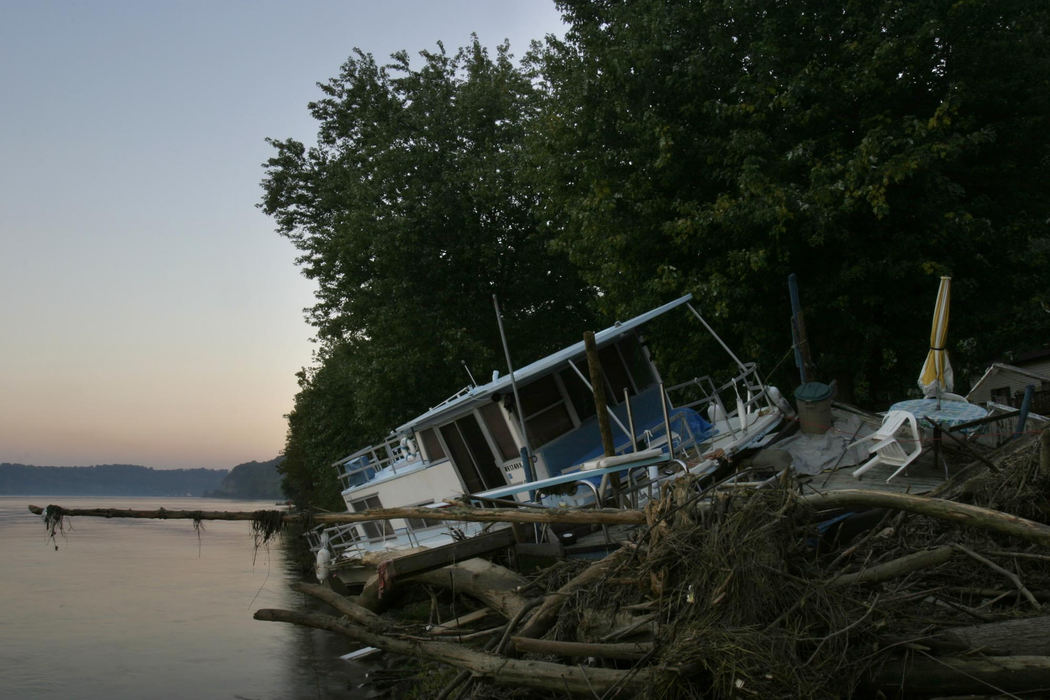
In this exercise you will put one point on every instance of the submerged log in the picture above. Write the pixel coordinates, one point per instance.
(355, 613)
(514, 672)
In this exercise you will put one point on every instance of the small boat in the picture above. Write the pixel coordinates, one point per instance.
(533, 436)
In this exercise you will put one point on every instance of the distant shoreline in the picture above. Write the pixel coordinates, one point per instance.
(248, 481)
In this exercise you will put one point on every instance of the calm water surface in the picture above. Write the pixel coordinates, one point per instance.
(143, 609)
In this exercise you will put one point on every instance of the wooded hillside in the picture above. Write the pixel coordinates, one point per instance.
(106, 480)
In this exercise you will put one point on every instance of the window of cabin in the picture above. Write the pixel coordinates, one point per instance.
(580, 394)
(420, 523)
(496, 424)
(374, 529)
(546, 416)
(1002, 395)
(633, 352)
(549, 424)
(616, 376)
(431, 444)
(541, 394)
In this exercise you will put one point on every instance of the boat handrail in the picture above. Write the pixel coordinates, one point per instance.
(455, 397)
(378, 457)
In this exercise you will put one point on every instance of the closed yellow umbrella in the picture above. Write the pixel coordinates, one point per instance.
(936, 377)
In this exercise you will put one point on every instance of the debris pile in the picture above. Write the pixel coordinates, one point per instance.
(762, 593)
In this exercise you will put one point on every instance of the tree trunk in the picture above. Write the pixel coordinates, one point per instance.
(628, 651)
(1023, 637)
(942, 675)
(357, 614)
(897, 567)
(962, 513)
(495, 586)
(547, 613)
(602, 516)
(513, 672)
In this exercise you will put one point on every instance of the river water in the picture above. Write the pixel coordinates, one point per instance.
(145, 609)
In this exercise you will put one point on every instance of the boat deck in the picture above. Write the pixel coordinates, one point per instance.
(928, 472)
(920, 477)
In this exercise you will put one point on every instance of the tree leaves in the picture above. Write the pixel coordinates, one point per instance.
(699, 146)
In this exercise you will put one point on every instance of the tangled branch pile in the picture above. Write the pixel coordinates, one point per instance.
(764, 593)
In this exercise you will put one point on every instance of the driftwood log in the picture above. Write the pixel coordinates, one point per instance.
(961, 513)
(568, 516)
(354, 613)
(896, 567)
(577, 680)
(628, 651)
(546, 614)
(1028, 636)
(494, 585)
(958, 675)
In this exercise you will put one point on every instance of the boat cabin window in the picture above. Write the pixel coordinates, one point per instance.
(617, 377)
(546, 415)
(580, 394)
(634, 356)
(498, 430)
(374, 529)
(472, 456)
(420, 523)
(431, 445)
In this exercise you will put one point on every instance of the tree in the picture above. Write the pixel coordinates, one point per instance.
(410, 212)
(322, 428)
(869, 147)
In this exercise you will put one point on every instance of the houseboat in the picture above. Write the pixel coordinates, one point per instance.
(472, 444)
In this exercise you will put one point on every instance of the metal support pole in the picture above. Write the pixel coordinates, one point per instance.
(630, 418)
(667, 422)
(526, 456)
(1026, 403)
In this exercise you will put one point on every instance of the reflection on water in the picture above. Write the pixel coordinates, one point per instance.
(147, 608)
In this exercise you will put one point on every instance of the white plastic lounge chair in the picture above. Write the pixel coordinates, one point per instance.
(886, 449)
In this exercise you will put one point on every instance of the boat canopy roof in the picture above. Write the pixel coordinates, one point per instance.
(481, 394)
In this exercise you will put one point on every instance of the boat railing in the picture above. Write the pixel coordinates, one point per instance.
(455, 397)
(352, 540)
(746, 388)
(364, 464)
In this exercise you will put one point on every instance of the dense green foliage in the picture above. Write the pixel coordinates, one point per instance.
(251, 480)
(869, 146)
(700, 146)
(411, 211)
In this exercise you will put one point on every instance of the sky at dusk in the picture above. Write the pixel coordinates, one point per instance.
(149, 314)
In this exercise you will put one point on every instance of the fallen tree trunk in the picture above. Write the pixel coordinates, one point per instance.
(896, 567)
(1026, 637)
(962, 513)
(952, 675)
(355, 613)
(628, 651)
(514, 672)
(569, 516)
(494, 585)
(547, 613)
(159, 513)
